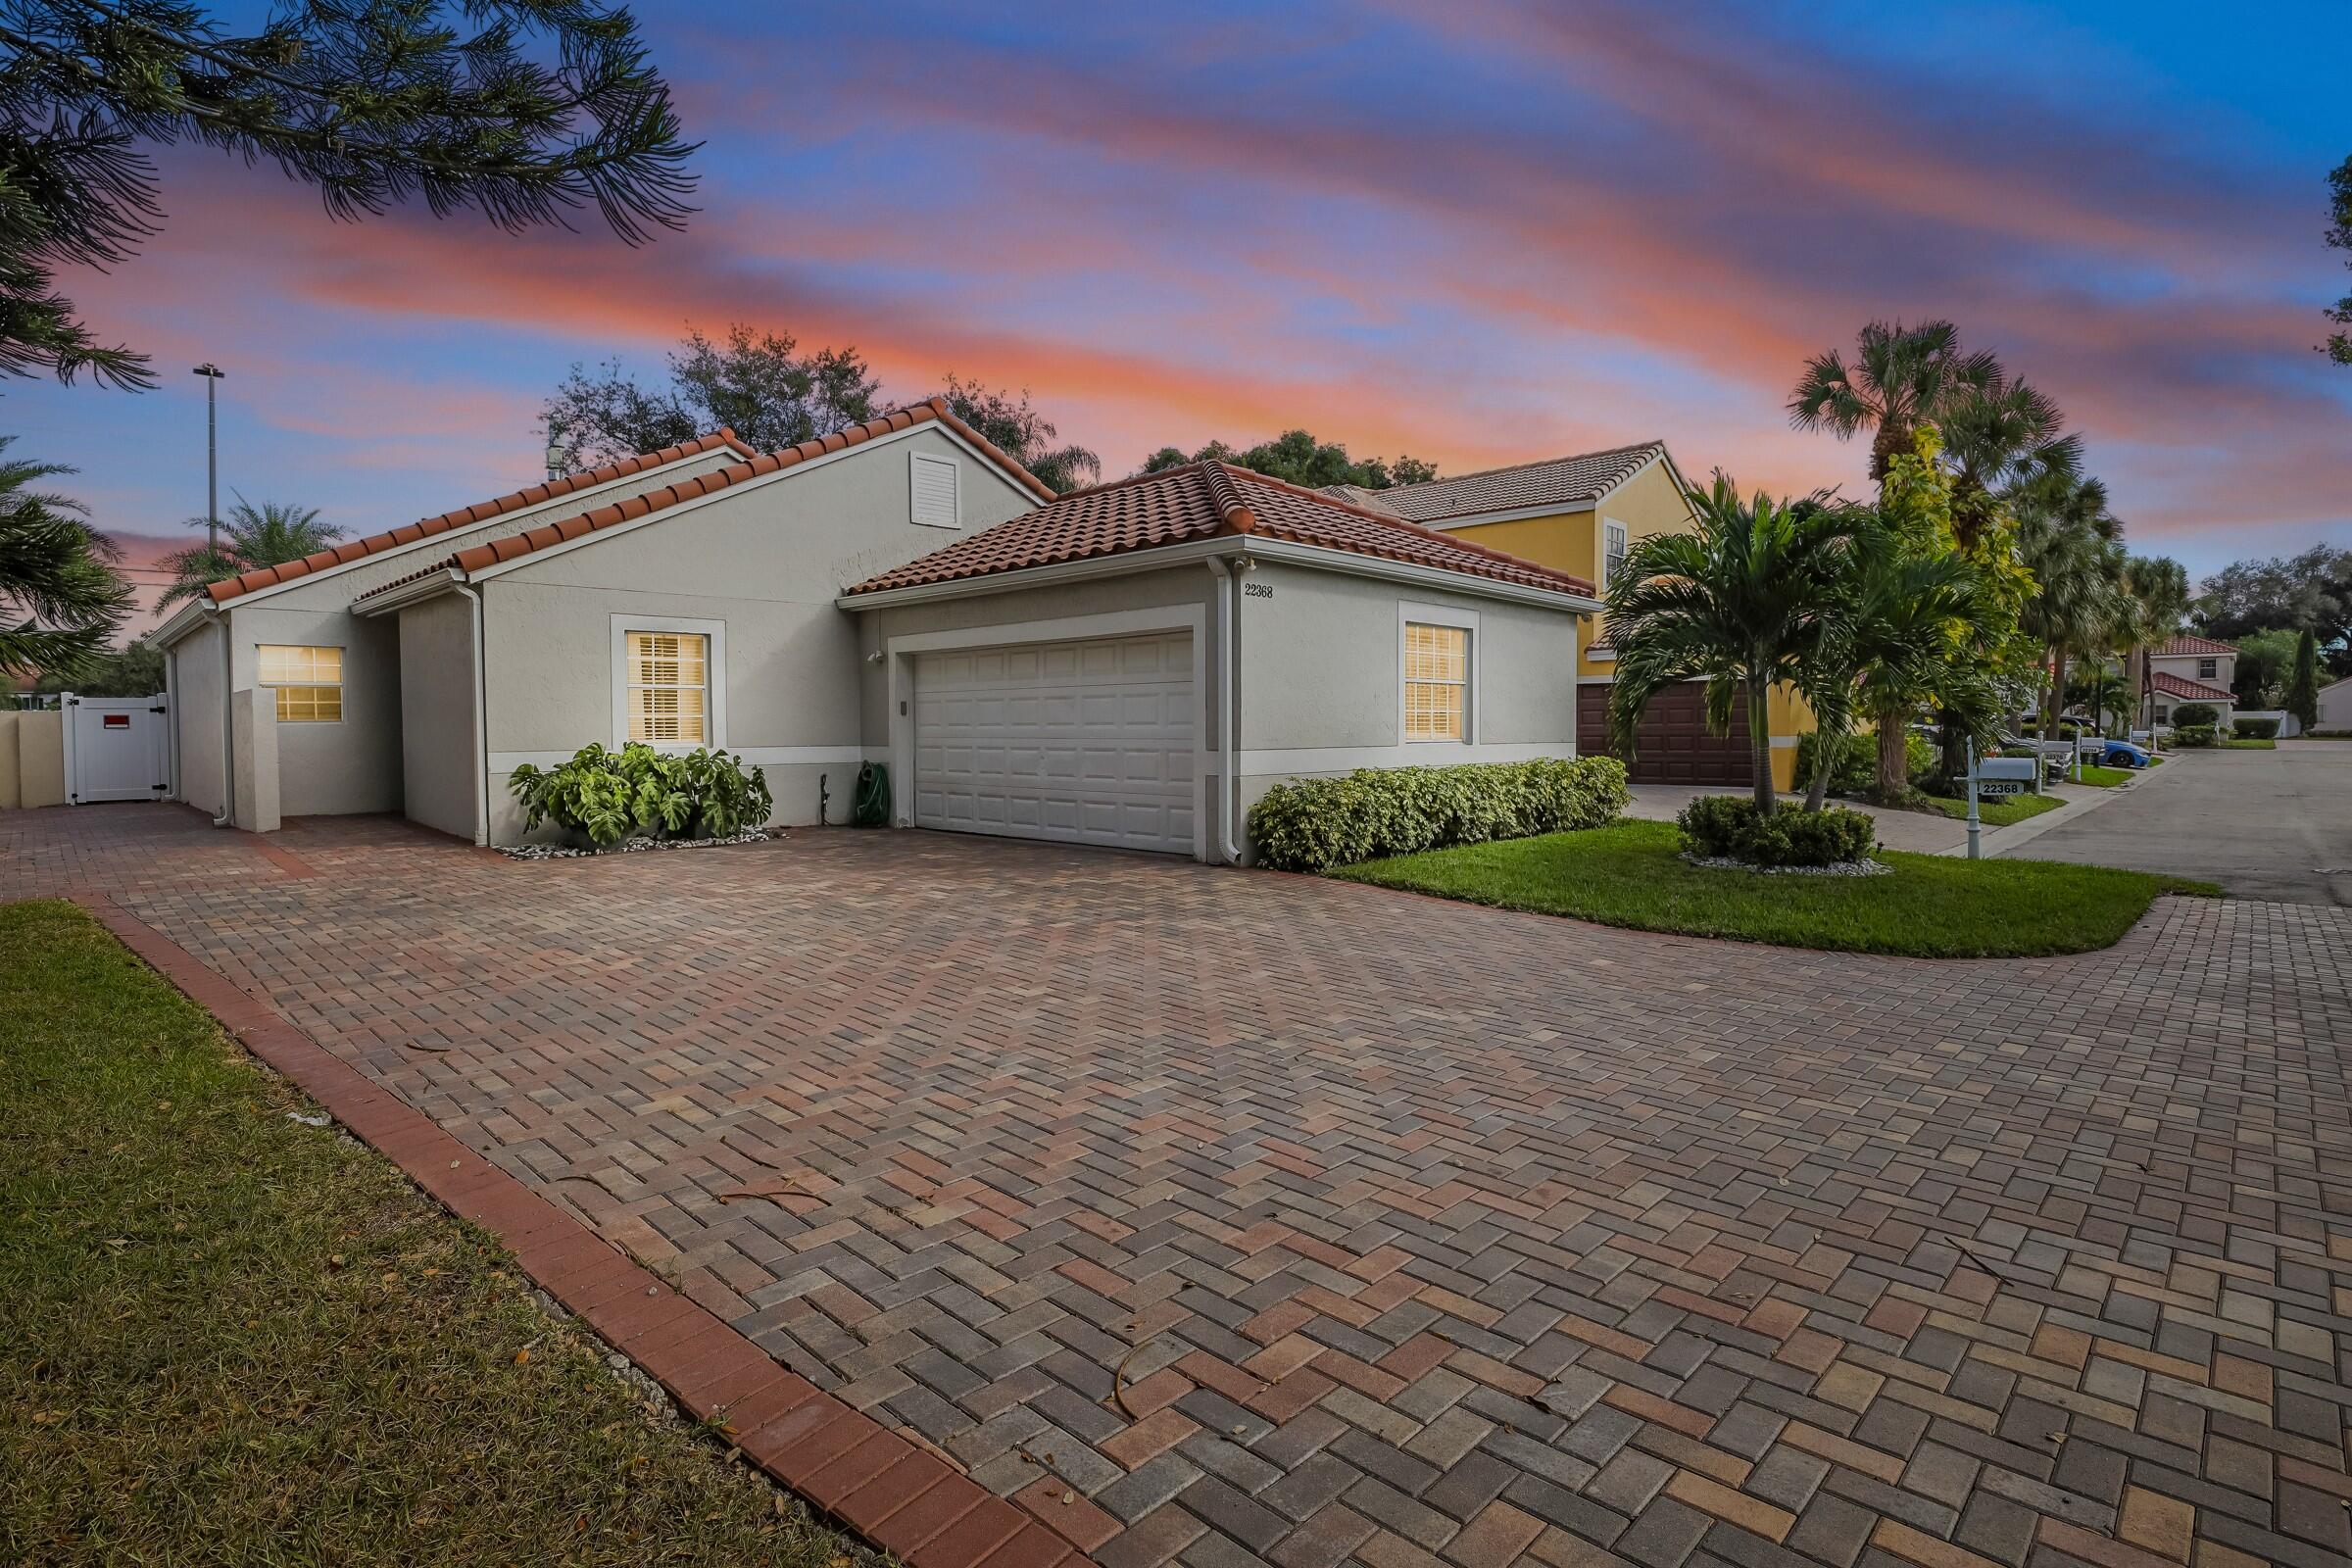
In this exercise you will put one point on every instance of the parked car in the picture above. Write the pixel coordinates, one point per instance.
(2123, 753)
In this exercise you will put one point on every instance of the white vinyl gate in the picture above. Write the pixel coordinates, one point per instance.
(1080, 742)
(116, 750)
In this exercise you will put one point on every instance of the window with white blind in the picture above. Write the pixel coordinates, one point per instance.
(309, 682)
(1437, 682)
(1612, 552)
(669, 682)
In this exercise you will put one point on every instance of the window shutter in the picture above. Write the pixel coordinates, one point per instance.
(934, 484)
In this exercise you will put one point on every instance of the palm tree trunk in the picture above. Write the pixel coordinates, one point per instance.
(1828, 751)
(1759, 741)
(1894, 754)
(2054, 703)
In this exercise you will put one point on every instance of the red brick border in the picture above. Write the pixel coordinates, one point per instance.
(897, 1495)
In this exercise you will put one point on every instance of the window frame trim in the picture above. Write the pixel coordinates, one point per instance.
(714, 678)
(915, 467)
(1411, 613)
(339, 684)
(1607, 525)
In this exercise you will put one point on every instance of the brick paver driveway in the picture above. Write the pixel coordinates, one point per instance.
(1271, 1219)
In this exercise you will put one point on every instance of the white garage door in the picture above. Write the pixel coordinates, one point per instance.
(1081, 742)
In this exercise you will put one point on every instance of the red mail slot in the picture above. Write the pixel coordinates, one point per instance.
(115, 720)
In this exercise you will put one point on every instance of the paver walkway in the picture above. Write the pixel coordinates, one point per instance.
(1279, 1220)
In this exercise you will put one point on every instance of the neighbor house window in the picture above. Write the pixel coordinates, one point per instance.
(309, 682)
(1437, 682)
(2208, 669)
(1612, 552)
(669, 688)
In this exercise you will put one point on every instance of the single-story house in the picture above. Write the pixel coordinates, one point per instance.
(2192, 670)
(1581, 513)
(1132, 664)
(2335, 706)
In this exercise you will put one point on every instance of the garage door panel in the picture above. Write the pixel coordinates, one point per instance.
(1673, 744)
(1084, 741)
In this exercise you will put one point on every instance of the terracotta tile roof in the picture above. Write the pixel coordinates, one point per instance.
(2174, 686)
(1577, 480)
(2193, 644)
(513, 546)
(1202, 501)
(482, 511)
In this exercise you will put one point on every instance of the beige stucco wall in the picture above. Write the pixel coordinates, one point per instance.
(1321, 671)
(438, 740)
(11, 794)
(196, 710)
(765, 563)
(2335, 706)
(356, 766)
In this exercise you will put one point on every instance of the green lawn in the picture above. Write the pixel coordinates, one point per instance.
(1996, 813)
(227, 1337)
(2106, 778)
(2234, 744)
(1631, 875)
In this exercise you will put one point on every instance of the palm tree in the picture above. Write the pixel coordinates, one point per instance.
(1900, 377)
(2156, 604)
(2073, 547)
(60, 599)
(251, 537)
(1738, 604)
(1997, 438)
(1903, 633)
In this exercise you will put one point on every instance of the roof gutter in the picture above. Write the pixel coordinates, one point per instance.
(387, 599)
(1262, 547)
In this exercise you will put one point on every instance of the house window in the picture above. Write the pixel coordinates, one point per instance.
(2209, 669)
(1437, 682)
(1612, 552)
(667, 694)
(309, 682)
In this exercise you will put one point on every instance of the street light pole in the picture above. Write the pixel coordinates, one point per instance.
(211, 374)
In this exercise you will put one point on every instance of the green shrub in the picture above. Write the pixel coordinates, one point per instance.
(1727, 827)
(2187, 736)
(2255, 729)
(607, 797)
(1314, 824)
(2190, 715)
(1858, 765)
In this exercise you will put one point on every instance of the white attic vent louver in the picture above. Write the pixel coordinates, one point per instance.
(933, 483)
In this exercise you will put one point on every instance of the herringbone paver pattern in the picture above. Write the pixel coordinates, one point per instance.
(1227, 1218)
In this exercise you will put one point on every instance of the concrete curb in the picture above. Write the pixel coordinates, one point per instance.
(2003, 841)
(898, 1495)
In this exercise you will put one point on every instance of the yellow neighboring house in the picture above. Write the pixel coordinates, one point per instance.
(1580, 515)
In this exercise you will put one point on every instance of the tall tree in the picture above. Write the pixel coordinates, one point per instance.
(2339, 346)
(2264, 660)
(757, 383)
(61, 598)
(2073, 545)
(2312, 589)
(1998, 436)
(1739, 603)
(1296, 456)
(2303, 687)
(526, 111)
(1899, 378)
(1027, 435)
(2154, 607)
(136, 669)
(251, 537)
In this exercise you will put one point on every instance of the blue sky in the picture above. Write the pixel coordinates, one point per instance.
(1476, 231)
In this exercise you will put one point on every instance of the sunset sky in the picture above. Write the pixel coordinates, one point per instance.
(1474, 230)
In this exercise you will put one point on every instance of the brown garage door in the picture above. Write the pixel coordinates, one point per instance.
(1675, 745)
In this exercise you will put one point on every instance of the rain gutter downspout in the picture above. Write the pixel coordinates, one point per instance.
(228, 723)
(1228, 573)
(481, 722)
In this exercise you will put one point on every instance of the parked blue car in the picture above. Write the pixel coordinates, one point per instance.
(2123, 753)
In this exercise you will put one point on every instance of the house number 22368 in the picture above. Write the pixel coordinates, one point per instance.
(1257, 590)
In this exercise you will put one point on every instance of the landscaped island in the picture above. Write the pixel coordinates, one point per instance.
(1930, 907)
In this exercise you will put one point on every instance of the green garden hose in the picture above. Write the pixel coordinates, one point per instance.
(870, 805)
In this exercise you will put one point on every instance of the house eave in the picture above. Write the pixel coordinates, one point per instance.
(384, 601)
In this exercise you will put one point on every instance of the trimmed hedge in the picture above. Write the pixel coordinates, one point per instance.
(2194, 735)
(1314, 824)
(1727, 827)
(2255, 729)
(2195, 714)
(1858, 765)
